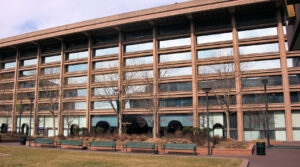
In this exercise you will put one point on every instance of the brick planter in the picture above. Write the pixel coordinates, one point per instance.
(247, 152)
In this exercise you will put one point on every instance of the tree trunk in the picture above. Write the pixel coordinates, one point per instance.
(228, 124)
(20, 124)
(120, 124)
(54, 133)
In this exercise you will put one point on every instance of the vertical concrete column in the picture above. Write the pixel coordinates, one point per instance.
(120, 72)
(36, 93)
(61, 92)
(194, 75)
(15, 98)
(285, 79)
(238, 84)
(89, 92)
(155, 77)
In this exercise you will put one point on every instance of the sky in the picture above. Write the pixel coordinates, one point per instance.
(23, 16)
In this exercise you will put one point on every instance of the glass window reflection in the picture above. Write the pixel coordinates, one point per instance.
(75, 106)
(294, 79)
(27, 73)
(139, 47)
(107, 51)
(139, 89)
(260, 65)
(78, 55)
(29, 62)
(257, 81)
(77, 80)
(106, 77)
(77, 67)
(139, 75)
(106, 64)
(105, 91)
(175, 42)
(175, 57)
(139, 61)
(175, 86)
(9, 65)
(261, 48)
(51, 70)
(262, 32)
(216, 68)
(214, 38)
(104, 105)
(260, 98)
(176, 102)
(75, 93)
(172, 72)
(51, 59)
(210, 53)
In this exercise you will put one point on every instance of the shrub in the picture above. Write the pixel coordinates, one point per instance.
(186, 130)
(84, 131)
(99, 130)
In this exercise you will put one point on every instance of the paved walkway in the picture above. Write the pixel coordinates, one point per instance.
(274, 157)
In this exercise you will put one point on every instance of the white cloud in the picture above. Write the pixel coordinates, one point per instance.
(22, 16)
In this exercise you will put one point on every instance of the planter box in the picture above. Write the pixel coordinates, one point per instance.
(247, 152)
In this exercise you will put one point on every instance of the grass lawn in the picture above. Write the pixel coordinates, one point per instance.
(49, 158)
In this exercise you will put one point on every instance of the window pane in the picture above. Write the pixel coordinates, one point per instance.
(9, 65)
(175, 42)
(47, 107)
(75, 106)
(138, 34)
(78, 55)
(257, 81)
(107, 51)
(217, 84)
(139, 47)
(293, 62)
(139, 89)
(106, 77)
(260, 99)
(27, 84)
(75, 93)
(175, 57)
(7, 75)
(77, 80)
(27, 73)
(261, 48)
(260, 65)
(175, 86)
(49, 83)
(105, 91)
(139, 61)
(213, 100)
(295, 97)
(143, 103)
(77, 67)
(51, 70)
(106, 64)
(104, 105)
(52, 95)
(29, 62)
(176, 102)
(294, 79)
(139, 75)
(51, 59)
(203, 54)
(214, 38)
(216, 68)
(257, 33)
(171, 72)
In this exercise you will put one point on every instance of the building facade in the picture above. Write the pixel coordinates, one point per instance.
(179, 49)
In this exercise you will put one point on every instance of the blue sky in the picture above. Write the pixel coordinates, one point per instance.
(23, 16)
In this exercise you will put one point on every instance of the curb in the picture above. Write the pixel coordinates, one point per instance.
(245, 163)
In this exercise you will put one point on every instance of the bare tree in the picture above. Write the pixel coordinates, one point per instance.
(50, 92)
(223, 87)
(6, 108)
(68, 120)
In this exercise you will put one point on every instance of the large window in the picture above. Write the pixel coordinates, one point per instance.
(49, 83)
(139, 61)
(257, 81)
(175, 86)
(217, 100)
(51, 95)
(262, 32)
(260, 99)
(104, 105)
(225, 84)
(172, 72)
(107, 51)
(77, 67)
(78, 55)
(216, 68)
(105, 91)
(138, 34)
(48, 106)
(29, 62)
(214, 38)
(210, 53)
(77, 80)
(139, 47)
(294, 79)
(106, 77)
(106, 64)
(139, 89)
(260, 65)
(27, 73)
(175, 42)
(260, 48)
(51, 59)
(140, 103)
(75, 93)
(295, 97)
(51, 70)
(175, 57)
(7, 75)
(27, 84)
(139, 75)
(75, 106)
(9, 65)
(176, 102)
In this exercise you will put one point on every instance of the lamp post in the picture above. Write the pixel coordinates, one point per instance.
(264, 82)
(206, 90)
(31, 98)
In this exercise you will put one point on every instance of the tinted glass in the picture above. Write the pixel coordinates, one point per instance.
(171, 72)
(260, 99)
(51, 59)
(295, 97)
(139, 61)
(214, 38)
(257, 33)
(27, 84)
(107, 51)
(139, 34)
(78, 55)
(77, 67)
(217, 100)
(203, 54)
(175, 86)
(227, 83)
(175, 42)
(7, 75)
(176, 102)
(257, 81)
(75, 106)
(139, 47)
(261, 48)
(294, 79)
(175, 57)
(106, 64)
